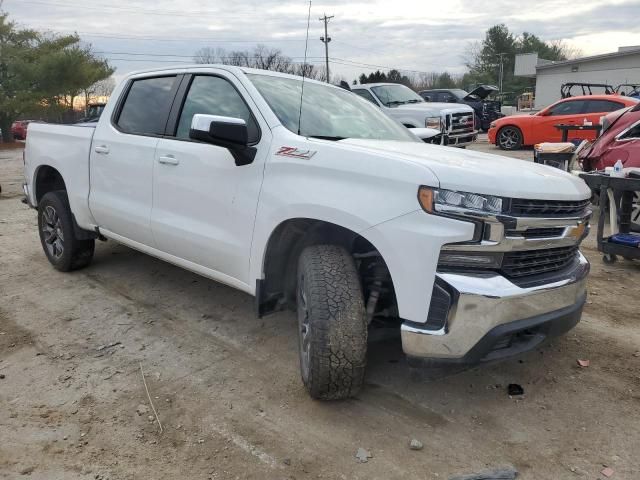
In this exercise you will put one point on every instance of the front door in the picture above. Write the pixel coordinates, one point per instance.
(122, 158)
(566, 112)
(204, 206)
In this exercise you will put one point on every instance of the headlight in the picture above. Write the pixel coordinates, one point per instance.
(431, 199)
(432, 122)
(450, 258)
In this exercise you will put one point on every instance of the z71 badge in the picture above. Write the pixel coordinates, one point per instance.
(295, 153)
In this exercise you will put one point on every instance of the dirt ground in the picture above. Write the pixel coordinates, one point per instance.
(226, 386)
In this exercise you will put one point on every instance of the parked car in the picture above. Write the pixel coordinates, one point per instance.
(454, 121)
(19, 129)
(328, 207)
(486, 110)
(516, 131)
(620, 140)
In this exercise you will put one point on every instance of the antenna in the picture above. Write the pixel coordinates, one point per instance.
(304, 67)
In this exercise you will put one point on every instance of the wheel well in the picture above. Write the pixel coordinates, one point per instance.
(48, 179)
(286, 243)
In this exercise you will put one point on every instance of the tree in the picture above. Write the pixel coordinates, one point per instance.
(261, 57)
(42, 72)
(99, 90)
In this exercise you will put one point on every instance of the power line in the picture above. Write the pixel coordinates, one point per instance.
(168, 55)
(326, 39)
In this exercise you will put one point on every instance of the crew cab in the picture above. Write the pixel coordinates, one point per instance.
(313, 199)
(455, 122)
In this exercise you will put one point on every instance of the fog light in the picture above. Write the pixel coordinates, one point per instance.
(470, 259)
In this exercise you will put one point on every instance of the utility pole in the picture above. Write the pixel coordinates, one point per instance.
(326, 39)
(501, 71)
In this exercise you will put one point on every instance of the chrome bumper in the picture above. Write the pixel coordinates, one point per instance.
(486, 303)
(460, 140)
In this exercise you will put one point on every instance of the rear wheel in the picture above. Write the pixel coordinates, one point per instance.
(509, 138)
(332, 325)
(55, 224)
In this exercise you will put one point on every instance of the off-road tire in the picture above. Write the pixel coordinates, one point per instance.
(54, 215)
(509, 138)
(332, 325)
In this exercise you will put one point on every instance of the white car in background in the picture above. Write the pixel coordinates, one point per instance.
(454, 121)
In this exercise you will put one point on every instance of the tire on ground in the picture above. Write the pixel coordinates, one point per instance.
(514, 140)
(75, 253)
(329, 297)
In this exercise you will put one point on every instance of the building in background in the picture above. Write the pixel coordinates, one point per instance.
(612, 69)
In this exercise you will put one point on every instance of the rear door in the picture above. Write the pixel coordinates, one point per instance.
(122, 157)
(204, 206)
(567, 112)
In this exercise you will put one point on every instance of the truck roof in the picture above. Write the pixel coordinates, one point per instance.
(230, 68)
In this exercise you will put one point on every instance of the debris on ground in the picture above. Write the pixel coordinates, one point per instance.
(108, 345)
(2, 377)
(416, 445)
(286, 461)
(514, 389)
(584, 363)
(142, 409)
(363, 455)
(502, 473)
(607, 471)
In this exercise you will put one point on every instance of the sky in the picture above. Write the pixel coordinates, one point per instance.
(412, 36)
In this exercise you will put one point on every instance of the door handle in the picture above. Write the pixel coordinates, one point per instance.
(168, 160)
(102, 149)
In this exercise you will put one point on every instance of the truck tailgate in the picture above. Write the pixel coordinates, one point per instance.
(65, 148)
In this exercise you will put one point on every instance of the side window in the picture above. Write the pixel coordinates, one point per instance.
(428, 96)
(447, 97)
(215, 96)
(633, 132)
(365, 94)
(146, 106)
(601, 106)
(570, 107)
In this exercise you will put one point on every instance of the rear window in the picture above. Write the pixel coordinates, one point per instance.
(601, 106)
(146, 106)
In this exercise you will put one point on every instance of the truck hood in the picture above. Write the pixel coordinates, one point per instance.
(477, 172)
(481, 92)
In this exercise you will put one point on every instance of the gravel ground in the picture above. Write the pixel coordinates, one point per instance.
(227, 392)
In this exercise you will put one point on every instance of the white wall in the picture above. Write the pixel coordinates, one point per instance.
(612, 71)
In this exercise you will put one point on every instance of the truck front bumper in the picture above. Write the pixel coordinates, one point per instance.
(460, 140)
(492, 318)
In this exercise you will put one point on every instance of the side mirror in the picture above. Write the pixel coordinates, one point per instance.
(227, 132)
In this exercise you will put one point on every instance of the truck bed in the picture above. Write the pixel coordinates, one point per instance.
(65, 148)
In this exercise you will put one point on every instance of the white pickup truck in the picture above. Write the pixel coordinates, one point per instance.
(328, 207)
(454, 121)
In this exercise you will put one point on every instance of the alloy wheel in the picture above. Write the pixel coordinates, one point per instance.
(52, 232)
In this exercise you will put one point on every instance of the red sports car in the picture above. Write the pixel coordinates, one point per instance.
(516, 131)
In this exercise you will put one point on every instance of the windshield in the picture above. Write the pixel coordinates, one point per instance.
(392, 95)
(459, 93)
(327, 112)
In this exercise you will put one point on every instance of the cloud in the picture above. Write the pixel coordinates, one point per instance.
(412, 35)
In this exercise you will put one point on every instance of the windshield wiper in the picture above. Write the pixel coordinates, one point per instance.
(395, 102)
(327, 137)
(415, 100)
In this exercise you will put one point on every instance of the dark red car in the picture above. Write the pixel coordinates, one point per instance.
(19, 129)
(620, 140)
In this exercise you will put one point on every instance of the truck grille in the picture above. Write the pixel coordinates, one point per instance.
(460, 123)
(547, 208)
(544, 232)
(533, 262)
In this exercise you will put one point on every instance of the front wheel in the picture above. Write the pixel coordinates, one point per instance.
(55, 224)
(332, 325)
(509, 138)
